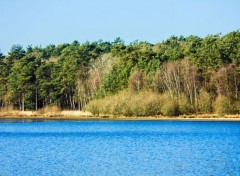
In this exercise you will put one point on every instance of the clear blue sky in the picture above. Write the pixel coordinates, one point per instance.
(44, 22)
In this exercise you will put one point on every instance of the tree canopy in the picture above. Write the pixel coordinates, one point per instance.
(71, 75)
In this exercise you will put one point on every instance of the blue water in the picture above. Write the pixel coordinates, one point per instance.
(120, 148)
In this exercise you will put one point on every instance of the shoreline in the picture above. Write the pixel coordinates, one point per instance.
(33, 116)
(40, 119)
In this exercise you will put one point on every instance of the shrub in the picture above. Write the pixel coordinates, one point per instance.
(204, 103)
(105, 107)
(185, 107)
(152, 104)
(223, 105)
(118, 108)
(236, 107)
(152, 108)
(94, 107)
(169, 106)
(128, 104)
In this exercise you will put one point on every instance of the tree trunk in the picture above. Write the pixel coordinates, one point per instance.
(66, 99)
(236, 86)
(23, 102)
(20, 102)
(36, 100)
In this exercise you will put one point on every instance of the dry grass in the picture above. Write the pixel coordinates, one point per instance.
(125, 105)
(76, 113)
(49, 110)
(87, 115)
(16, 113)
(8, 108)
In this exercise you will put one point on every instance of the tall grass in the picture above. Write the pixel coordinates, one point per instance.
(53, 109)
(7, 108)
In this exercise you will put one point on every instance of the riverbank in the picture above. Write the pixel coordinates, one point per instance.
(81, 115)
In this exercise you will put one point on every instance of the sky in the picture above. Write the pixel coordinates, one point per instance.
(44, 22)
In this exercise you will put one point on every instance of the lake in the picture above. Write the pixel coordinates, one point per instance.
(120, 148)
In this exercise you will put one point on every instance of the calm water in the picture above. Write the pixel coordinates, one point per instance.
(120, 148)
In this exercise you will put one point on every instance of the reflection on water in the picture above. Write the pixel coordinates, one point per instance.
(120, 148)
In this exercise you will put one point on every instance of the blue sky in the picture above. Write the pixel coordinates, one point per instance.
(44, 22)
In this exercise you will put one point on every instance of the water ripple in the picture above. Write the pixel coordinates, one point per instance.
(120, 148)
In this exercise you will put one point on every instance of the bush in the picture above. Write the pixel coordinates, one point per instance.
(185, 107)
(223, 105)
(152, 104)
(120, 109)
(204, 103)
(152, 108)
(169, 106)
(237, 107)
(127, 104)
(105, 107)
(94, 107)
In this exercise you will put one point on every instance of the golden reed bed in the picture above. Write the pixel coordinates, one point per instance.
(89, 116)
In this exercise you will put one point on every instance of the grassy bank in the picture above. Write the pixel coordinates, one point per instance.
(147, 103)
(47, 112)
(81, 115)
(119, 107)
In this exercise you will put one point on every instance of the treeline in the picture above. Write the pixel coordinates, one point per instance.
(181, 75)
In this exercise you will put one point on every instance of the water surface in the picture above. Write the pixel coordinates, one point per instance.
(120, 148)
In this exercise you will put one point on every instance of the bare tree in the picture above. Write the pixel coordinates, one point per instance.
(190, 80)
(136, 81)
(227, 81)
(171, 78)
(89, 79)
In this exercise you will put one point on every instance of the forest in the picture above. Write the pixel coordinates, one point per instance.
(180, 75)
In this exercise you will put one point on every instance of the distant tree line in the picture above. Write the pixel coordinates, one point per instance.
(201, 74)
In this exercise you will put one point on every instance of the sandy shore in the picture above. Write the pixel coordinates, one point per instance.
(81, 115)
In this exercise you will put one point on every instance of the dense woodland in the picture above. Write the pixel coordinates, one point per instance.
(181, 75)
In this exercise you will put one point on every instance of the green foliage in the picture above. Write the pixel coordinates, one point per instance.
(185, 74)
(47, 87)
(3, 79)
(117, 80)
(16, 52)
(21, 82)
